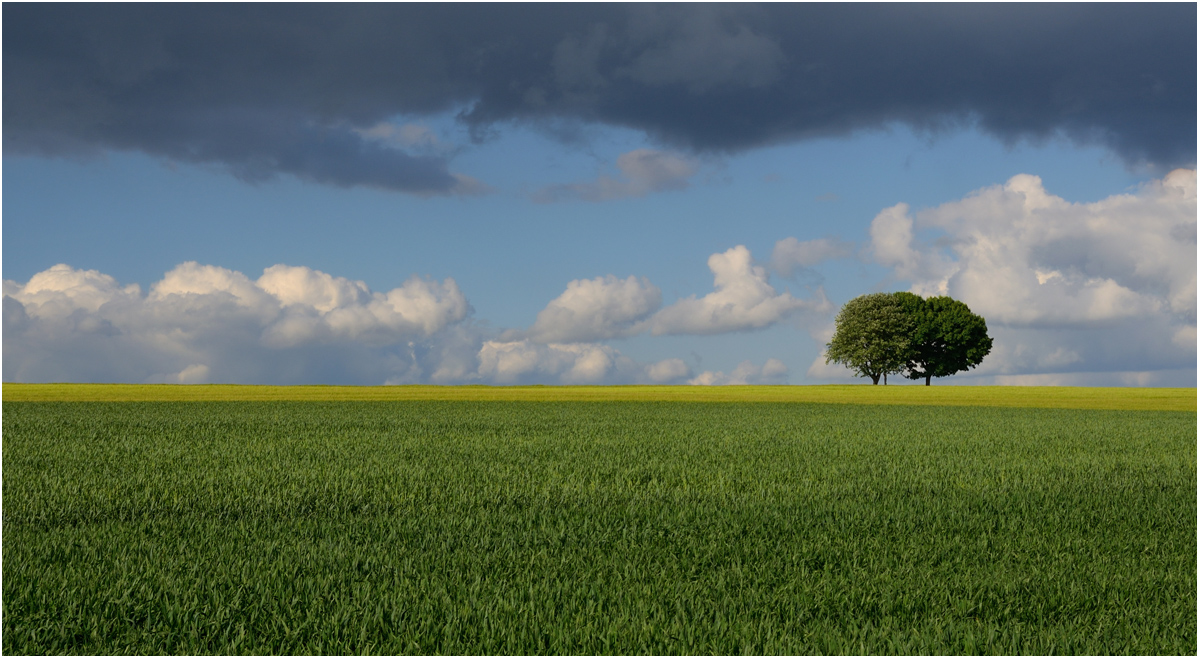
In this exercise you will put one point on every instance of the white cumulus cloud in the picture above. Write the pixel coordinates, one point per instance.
(743, 299)
(608, 307)
(305, 286)
(62, 289)
(600, 308)
(201, 284)
(668, 371)
(772, 371)
(524, 362)
(1102, 287)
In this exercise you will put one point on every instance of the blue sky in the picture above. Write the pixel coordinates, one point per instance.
(538, 203)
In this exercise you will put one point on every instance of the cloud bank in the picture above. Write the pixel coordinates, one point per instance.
(1072, 293)
(302, 90)
(772, 371)
(524, 362)
(205, 323)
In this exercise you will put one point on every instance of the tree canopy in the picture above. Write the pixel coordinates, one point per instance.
(872, 336)
(946, 337)
(883, 333)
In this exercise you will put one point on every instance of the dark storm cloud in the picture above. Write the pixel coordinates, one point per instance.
(267, 89)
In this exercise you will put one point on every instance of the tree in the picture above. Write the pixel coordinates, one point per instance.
(872, 336)
(946, 337)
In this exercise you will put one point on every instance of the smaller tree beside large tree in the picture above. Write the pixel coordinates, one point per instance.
(872, 336)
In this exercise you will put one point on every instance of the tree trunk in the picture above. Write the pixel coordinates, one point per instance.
(927, 376)
(885, 379)
(874, 379)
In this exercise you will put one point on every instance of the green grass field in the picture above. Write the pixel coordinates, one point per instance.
(598, 526)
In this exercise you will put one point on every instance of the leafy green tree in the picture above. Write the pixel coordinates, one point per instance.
(946, 337)
(872, 336)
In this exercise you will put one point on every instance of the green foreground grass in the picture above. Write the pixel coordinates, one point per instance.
(508, 527)
(1097, 398)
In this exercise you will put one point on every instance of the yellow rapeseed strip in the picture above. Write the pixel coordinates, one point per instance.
(1099, 398)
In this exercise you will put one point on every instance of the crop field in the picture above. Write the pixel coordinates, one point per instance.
(589, 526)
(1089, 398)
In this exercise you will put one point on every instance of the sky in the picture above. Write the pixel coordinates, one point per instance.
(591, 194)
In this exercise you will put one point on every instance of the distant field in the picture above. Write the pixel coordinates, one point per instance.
(613, 527)
(1114, 398)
